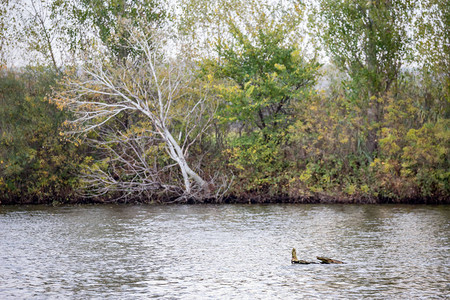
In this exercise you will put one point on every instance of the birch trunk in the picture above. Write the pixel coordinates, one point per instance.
(177, 154)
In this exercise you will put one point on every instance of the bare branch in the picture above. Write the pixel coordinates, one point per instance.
(155, 87)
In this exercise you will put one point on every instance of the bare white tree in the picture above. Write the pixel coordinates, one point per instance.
(156, 85)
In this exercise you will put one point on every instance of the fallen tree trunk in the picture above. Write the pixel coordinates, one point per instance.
(323, 260)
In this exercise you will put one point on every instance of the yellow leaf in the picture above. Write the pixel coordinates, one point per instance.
(280, 67)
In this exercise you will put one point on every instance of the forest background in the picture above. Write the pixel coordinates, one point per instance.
(195, 101)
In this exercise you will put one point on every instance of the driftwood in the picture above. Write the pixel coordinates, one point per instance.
(323, 260)
(326, 260)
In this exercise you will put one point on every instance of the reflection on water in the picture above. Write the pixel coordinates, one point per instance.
(231, 251)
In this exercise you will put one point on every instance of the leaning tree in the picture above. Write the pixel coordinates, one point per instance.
(161, 90)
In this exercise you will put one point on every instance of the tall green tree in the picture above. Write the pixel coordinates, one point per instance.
(264, 73)
(369, 40)
(266, 76)
(264, 66)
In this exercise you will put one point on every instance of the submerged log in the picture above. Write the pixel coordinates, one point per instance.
(302, 262)
(323, 260)
(326, 260)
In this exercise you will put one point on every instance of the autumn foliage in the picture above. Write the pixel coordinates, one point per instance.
(260, 115)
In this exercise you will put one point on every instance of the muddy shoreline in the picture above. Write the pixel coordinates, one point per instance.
(233, 199)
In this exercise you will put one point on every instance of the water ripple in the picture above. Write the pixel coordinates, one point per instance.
(232, 252)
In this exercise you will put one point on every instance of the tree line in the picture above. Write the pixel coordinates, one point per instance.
(224, 101)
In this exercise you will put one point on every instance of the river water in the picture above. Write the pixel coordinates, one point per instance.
(224, 252)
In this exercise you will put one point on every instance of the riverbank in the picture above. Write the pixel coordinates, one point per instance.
(233, 199)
